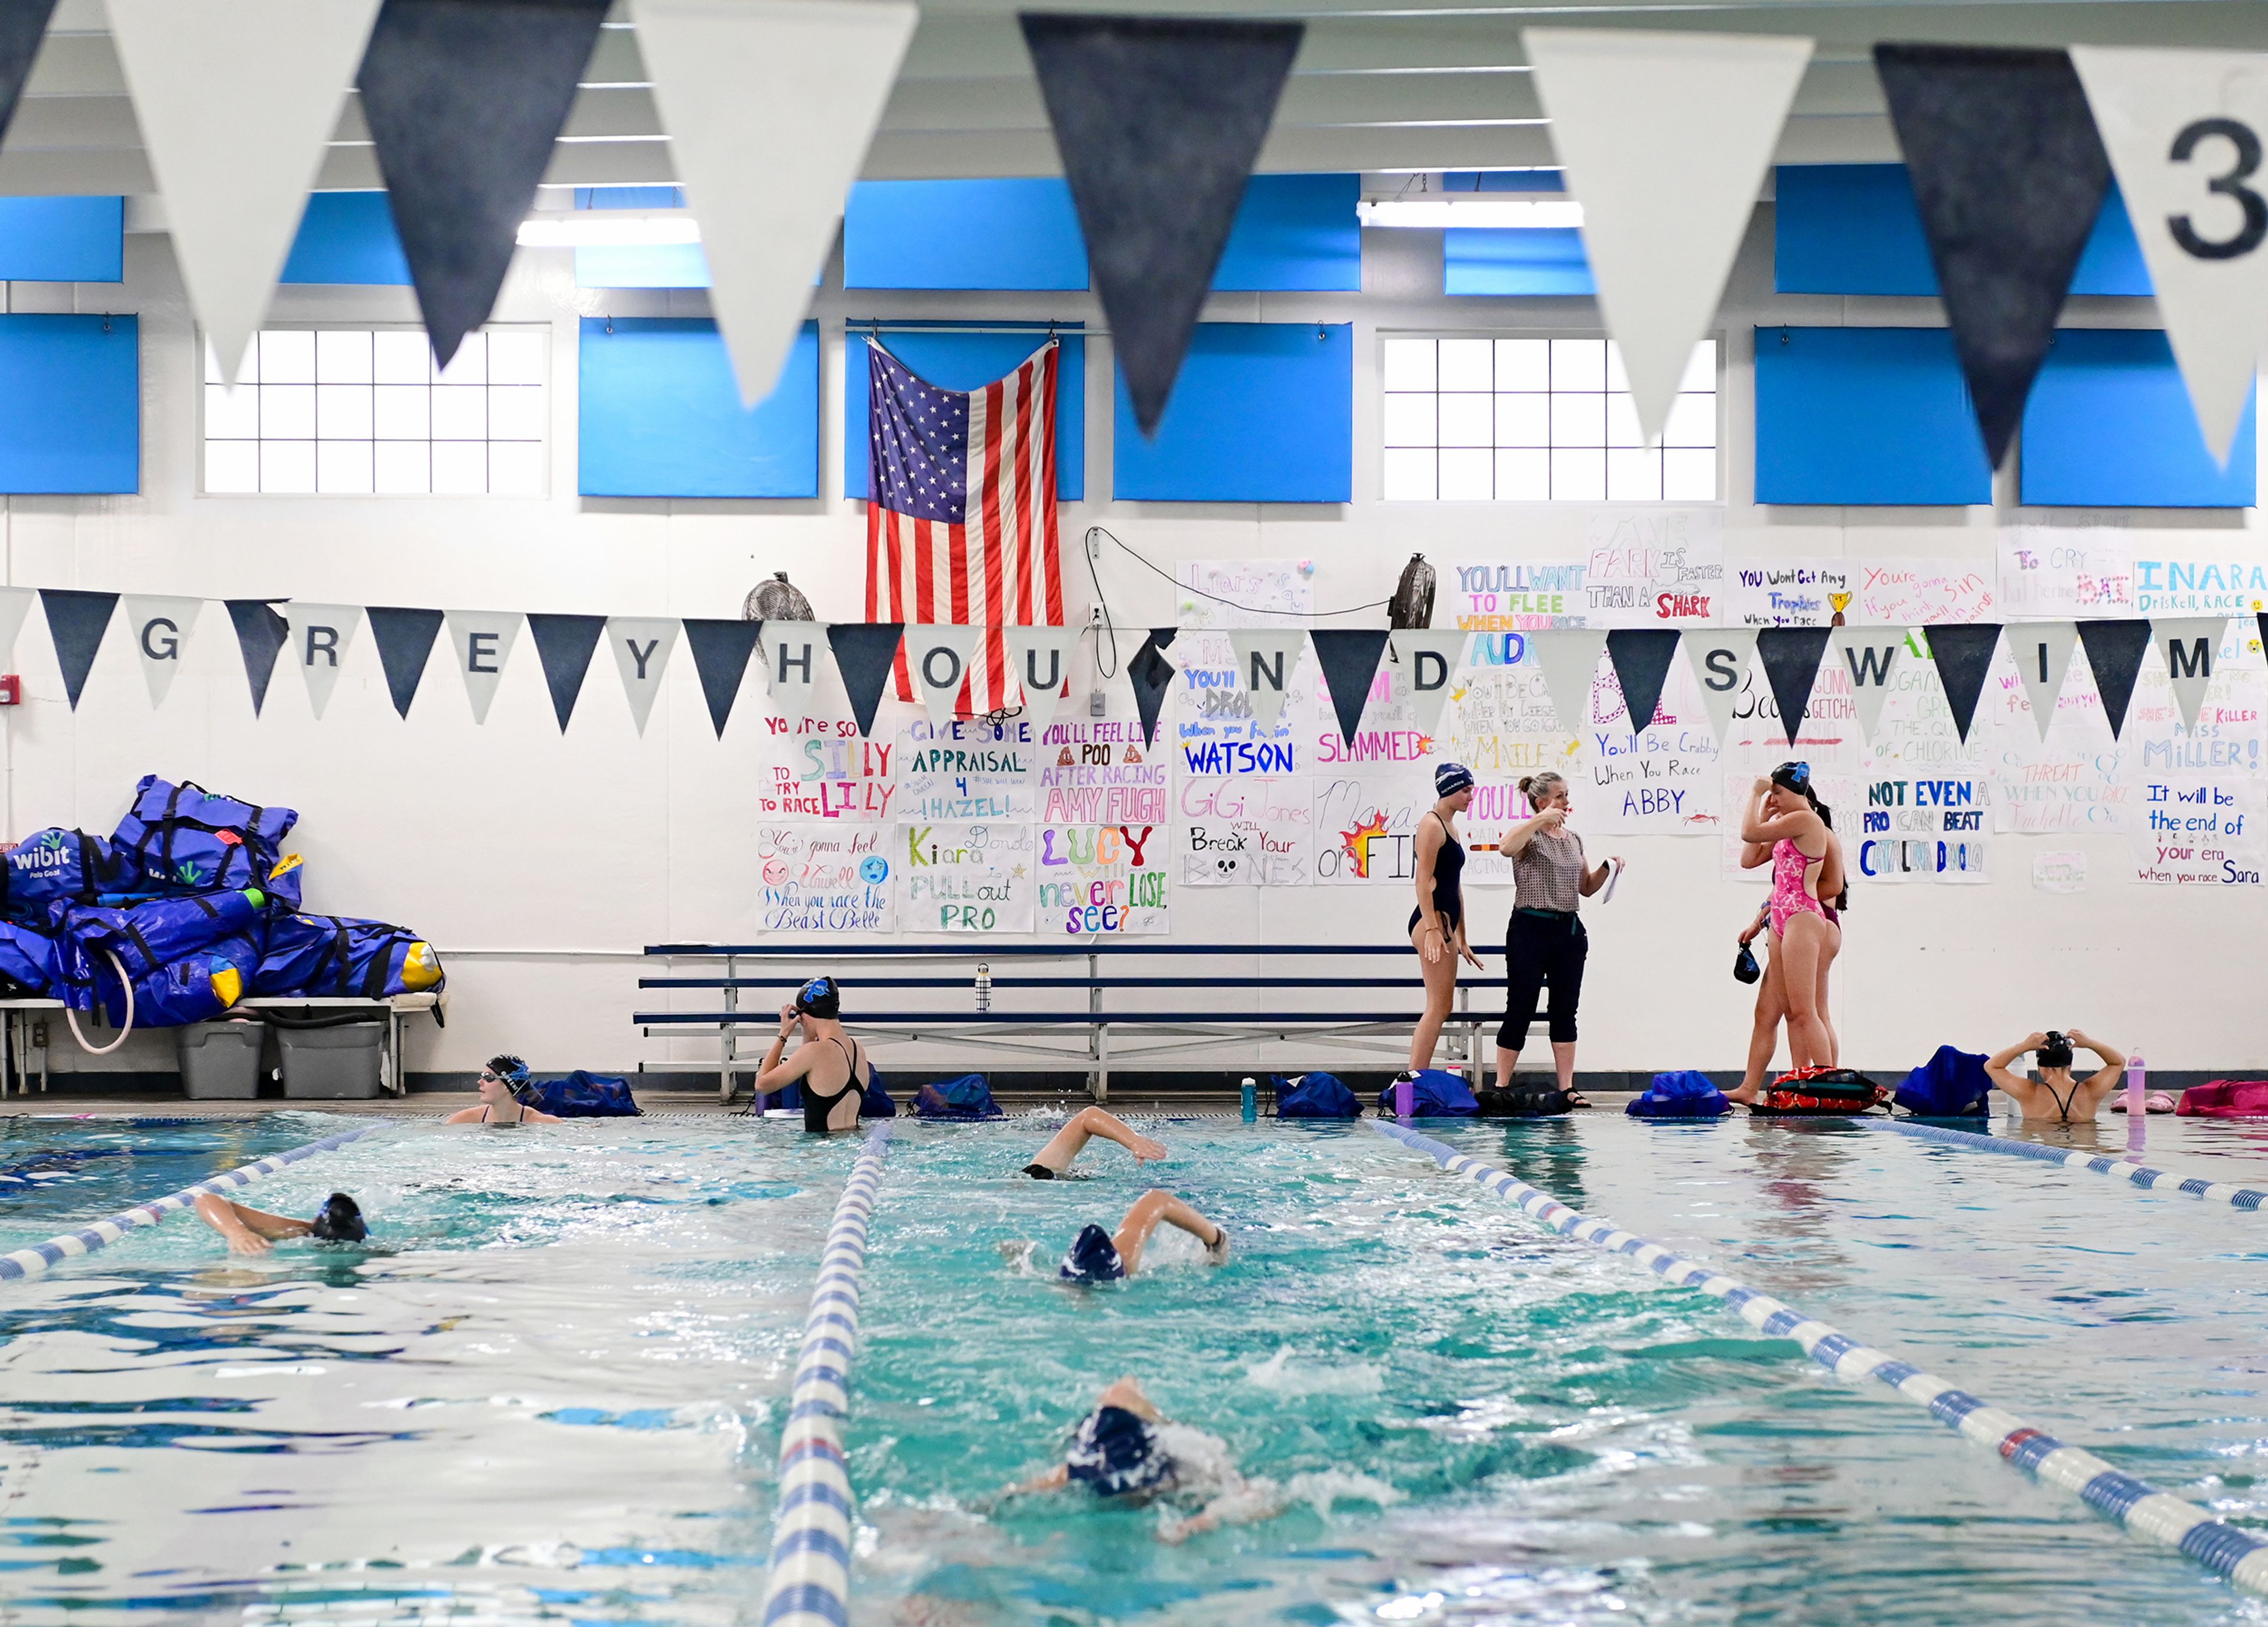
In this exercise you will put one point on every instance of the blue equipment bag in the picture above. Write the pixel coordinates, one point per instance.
(30, 960)
(149, 934)
(184, 836)
(1435, 1095)
(192, 987)
(1952, 1084)
(583, 1095)
(338, 955)
(55, 866)
(966, 1097)
(1684, 1094)
(1316, 1095)
(873, 1103)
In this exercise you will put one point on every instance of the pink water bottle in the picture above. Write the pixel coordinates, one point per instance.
(1405, 1092)
(2136, 1090)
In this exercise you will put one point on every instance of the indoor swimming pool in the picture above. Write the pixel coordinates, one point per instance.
(551, 1386)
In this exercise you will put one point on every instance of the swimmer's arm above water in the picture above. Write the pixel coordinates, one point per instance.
(2113, 1061)
(781, 1070)
(248, 1230)
(1997, 1066)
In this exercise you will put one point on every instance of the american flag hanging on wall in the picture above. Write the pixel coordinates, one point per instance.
(960, 510)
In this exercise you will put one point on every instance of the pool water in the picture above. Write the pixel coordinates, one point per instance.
(55, 1171)
(554, 1392)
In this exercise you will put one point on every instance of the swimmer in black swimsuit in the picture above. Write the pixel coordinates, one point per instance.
(2056, 1096)
(1087, 1123)
(504, 1088)
(1437, 926)
(833, 1073)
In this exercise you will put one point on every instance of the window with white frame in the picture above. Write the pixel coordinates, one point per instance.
(1539, 421)
(363, 411)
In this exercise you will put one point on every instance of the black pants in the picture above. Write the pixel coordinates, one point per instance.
(1539, 950)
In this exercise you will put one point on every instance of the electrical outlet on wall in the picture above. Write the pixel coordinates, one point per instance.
(1095, 703)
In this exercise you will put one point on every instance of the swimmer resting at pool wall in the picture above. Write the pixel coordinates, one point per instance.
(256, 1232)
(830, 1065)
(505, 1087)
(1084, 1126)
(1127, 1449)
(1100, 1256)
(2057, 1096)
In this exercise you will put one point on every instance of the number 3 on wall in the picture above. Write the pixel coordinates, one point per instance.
(2231, 184)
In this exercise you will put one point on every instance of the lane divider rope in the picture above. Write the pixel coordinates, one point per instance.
(2138, 1175)
(101, 1233)
(809, 1582)
(2134, 1504)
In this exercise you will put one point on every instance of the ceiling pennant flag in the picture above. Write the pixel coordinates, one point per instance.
(1791, 657)
(1430, 658)
(2179, 126)
(1641, 658)
(1266, 657)
(564, 644)
(2114, 655)
(464, 100)
(23, 26)
(405, 639)
(1039, 658)
(237, 103)
(720, 651)
(1159, 120)
(1963, 653)
(938, 655)
(2190, 646)
(77, 622)
(160, 624)
(791, 658)
(482, 641)
(1151, 674)
(1349, 658)
(864, 654)
(1719, 658)
(2010, 176)
(1666, 139)
(1869, 655)
(15, 606)
(2041, 651)
(1569, 658)
(791, 90)
(261, 636)
(321, 635)
(643, 645)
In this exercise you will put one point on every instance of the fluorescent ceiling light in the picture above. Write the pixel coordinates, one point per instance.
(608, 228)
(1471, 208)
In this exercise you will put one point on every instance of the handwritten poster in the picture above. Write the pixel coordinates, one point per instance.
(2062, 871)
(1097, 771)
(1788, 593)
(826, 878)
(1665, 779)
(818, 768)
(2198, 831)
(2198, 585)
(2076, 780)
(961, 877)
(1505, 600)
(1245, 592)
(1215, 732)
(2062, 572)
(1913, 592)
(1102, 878)
(1924, 829)
(967, 769)
(1365, 830)
(1658, 567)
(1247, 832)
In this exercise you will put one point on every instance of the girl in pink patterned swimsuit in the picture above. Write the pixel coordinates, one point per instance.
(1786, 824)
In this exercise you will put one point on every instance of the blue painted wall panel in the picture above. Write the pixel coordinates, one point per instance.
(1263, 413)
(62, 239)
(661, 415)
(1016, 234)
(1504, 260)
(1295, 233)
(70, 404)
(1860, 416)
(966, 361)
(347, 237)
(2108, 425)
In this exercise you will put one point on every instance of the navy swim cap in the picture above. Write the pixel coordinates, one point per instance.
(822, 996)
(1451, 778)
(1094, 1258)
(2057, 1052)
(1117, 1453)
(340, 1220)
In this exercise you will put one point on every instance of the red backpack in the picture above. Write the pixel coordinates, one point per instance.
(1822, 1092)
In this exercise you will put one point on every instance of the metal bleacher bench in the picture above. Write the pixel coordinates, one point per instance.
(1175, 1016)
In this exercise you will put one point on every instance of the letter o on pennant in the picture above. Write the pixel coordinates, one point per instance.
(929, 668)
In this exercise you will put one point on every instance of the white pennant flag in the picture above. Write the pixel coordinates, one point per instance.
(15, 604)
(642, 645)
(237, 100)
(1266, 658)
(2192, 645)
(1868, 655)
(1039, 659)
(938, 656)
(790, 89)
(1570, 659)
(1428, 660)
(321, 635)
(482, 641)
(2042, 652)
(1720, 657)
(1666, 139)
(160, 625)
(2186, 131)
(791, 651)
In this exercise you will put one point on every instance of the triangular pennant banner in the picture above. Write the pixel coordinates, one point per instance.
(2190, 646)
(1159, 120)
(1791, 657)
(1349, 659)
(1039, 659)
(160, 624)
(405, 639)
(1151, 674)
(1569, 658)
(2178, 126)
(23, 26)
(1666, 139)
(563, 644)
(236, 104)
(720, 651)
(1430, 659)
(1963, 653)
(481, 641)
(464, 100)
(321, 635)
(938, 655)
(2114, 655)
(2042, 652)
(643, 645)
(77, 622)
(15, 606)
(791, 659)
(1719, 658)
(1641, 658)
(1266, 657)
(2010, 176)
(261, 636)
(790, 89)
(865, 653)
(1869, 656)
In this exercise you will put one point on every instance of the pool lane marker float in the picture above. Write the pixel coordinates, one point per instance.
(2094, 1164)
(101, 1233)
(2135, 1503)
(809, 1581)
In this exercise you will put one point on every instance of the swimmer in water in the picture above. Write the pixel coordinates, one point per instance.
(256, 1232)
(2057, 1096)
(1084, 1125)
(1126, 1449)
(831, 1067)
(504, 1086)
(1100, 1256)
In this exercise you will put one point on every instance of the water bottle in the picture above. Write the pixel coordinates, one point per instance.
(2136, 1089)
(984, 987)
(1405, 1096)
(1251, 1094)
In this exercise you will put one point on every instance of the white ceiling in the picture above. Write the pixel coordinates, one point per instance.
(1423, 88)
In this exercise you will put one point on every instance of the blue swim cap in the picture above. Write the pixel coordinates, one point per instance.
(1094, 1258)
(1451, 778)
(1117, 1453)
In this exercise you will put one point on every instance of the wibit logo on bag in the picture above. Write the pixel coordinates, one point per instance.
(48, 852)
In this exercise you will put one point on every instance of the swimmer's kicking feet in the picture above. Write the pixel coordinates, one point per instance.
(1085, 1126)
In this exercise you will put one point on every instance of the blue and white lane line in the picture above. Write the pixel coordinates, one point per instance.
(33, 1260)
(809, 1582)
(2135, 1503)
(2096, 1164)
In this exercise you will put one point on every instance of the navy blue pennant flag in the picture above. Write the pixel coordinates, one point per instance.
(1641, 657)
(23, 25)
(1159, 120)
(405, 643)
(1963, 653)
(464, 100)
(2114, 653)
(564, 644)
(1151, 675)
(1349, 658)
(77, 622)
(1791, 657)
(2010, 175)
(720, 656)
(865, 652)
(261, 636)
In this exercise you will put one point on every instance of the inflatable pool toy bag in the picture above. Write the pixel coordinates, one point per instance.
(339, 955)
(183, 836)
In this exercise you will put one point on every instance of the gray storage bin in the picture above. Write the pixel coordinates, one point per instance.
(332, 1064)
(220, 1061)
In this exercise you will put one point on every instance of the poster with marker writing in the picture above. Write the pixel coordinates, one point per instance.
(826, 878)
(967, 769)
(2198, 831)
(965, 878)
(1249, 830)
(818, 768)
(1106, 879)
(1097, 771)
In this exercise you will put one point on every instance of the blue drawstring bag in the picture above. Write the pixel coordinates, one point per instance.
(583, 1095)
(183, 837)
(964, 1098)
(1684, 1094)
(1435, 1095)
(1952, 1084)
(876, 1102)
(1316, 1095)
